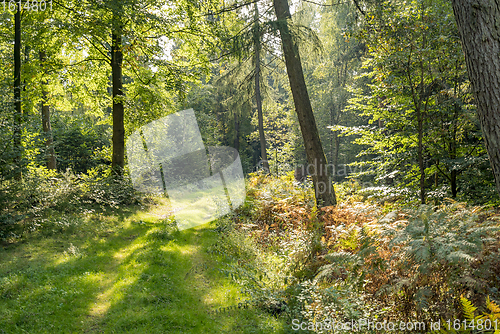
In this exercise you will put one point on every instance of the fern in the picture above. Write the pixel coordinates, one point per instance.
(487, 323)
(434, 250)
(468, 308)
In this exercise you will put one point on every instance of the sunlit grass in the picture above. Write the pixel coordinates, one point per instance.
(121, 271)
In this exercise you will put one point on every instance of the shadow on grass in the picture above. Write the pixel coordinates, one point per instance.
(128, 275)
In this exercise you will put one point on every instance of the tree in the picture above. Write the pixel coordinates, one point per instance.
(325, 193)
(258, 98)
(329, 74)
(477, 23)
(127, 36)
(420, 123)
(46, 126)
(248, 47)
(118, 158)
(18, 113)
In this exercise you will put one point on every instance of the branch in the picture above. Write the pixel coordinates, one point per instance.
(137, 75)
(86, 59)
(325, 5)
(224, 55)
(231, 8)
(439, 169)
(105, 55)
(359, 8)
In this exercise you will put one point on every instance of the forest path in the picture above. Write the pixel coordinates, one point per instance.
(120, 272)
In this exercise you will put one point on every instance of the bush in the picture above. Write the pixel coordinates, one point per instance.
(78, 148)
(42, 191)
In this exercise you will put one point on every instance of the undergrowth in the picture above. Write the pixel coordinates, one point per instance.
(359, 260)
(42, 194)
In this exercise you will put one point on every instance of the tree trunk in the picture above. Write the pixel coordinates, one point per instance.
(236, 132)
(453, 182)
(109, 109)
(436, 176)
(18, 113)
(325, 193)
(336, 155)
(331, 138)
(258, 98)
(118, 159)
(420, 151)
(453, 156)
(478, 22)
(47, 129)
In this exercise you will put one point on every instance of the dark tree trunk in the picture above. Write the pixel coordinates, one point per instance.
(109, 109)
(258, 98)
(325, 193)
(47, 129)
(436, 176)
(478, 22)
(18, 113)
(118, 159)
(331, 135)
(453, 182)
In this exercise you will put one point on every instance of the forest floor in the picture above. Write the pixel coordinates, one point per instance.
(120, 271)
(119, 268)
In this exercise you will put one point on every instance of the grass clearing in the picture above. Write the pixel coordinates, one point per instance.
(119, 271)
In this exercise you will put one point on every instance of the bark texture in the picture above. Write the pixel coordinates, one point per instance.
(478, 22)
(420, 152)
(325, 193)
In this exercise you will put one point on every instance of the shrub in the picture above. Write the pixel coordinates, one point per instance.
(42, 191)
(78, 148)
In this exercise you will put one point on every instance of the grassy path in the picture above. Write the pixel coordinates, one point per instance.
(119, 272)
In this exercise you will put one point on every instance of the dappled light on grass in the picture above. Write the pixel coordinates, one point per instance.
(162, 209)
(126, 252)
(120, 273)
(104, 300)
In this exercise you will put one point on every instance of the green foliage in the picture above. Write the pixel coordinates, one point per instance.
(254, 271)
(43, 191)
(80, 148)
(414, 96)
(330, 74)
(164, 231)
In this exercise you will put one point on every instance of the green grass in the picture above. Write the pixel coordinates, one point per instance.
(119, 272)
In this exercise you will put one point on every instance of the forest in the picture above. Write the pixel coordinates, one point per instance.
(250, 166)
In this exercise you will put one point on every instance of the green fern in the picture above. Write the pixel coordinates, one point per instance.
(437, 245)
(468, 308)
